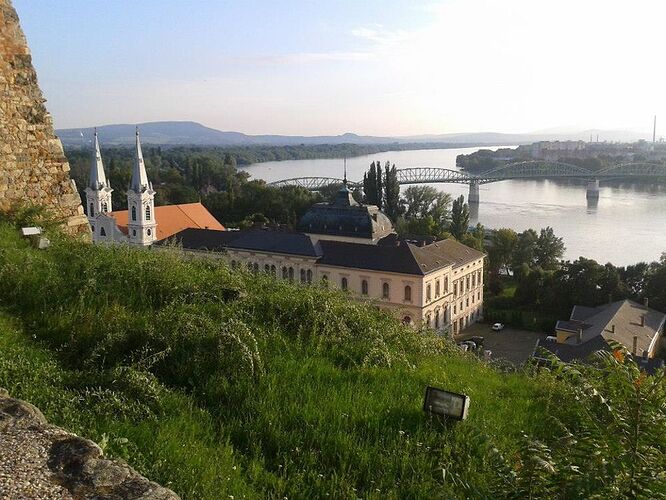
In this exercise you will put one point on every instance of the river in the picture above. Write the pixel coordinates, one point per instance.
(625, 227)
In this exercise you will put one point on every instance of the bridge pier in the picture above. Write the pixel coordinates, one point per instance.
(473, 193)
(593, 189)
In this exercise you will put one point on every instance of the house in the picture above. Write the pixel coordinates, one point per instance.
(354, 247)
(589, 329)
(144, 223)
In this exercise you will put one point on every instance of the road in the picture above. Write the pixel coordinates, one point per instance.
(511, 344)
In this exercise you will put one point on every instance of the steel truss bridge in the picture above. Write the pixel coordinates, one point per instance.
(534, 169)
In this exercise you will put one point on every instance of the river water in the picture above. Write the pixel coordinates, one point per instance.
(625, 227)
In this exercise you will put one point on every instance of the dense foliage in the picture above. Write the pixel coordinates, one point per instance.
(218, 382)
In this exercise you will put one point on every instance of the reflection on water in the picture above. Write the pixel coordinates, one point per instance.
(625, 225)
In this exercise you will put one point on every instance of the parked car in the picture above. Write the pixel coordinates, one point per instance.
(498, 327)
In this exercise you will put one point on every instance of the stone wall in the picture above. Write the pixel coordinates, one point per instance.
(33, 167)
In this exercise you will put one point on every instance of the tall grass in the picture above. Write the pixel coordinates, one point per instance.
(227, 383)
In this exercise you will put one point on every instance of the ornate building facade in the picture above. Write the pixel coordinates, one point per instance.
(355, 248)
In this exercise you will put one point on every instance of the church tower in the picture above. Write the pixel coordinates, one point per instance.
(141, 222)
(98, 192)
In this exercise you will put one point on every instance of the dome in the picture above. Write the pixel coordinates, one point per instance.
(345, 217)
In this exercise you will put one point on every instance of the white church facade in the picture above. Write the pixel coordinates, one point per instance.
(138, 225)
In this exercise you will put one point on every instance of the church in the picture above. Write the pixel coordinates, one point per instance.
(143, 223)
(354, 247)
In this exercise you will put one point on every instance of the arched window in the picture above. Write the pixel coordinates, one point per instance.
(474, 280)
(249, 266)
(134, 213)
(267, 268)
(105, 207)
(446, 285)
(255, 267)
(134, 232)
(291, 274)
(147, 212)
(344, 284)
(364, 287)
(437, 319)
(149, 232)
(385, 290)
(428, 293)
(285, 273)
(91, 212)
(102, 232)
(428, 320)
(324, 278)
(309, 276)
(407, 320)
(437, 288)
(273, 270)
(302, 275)
(408, 293)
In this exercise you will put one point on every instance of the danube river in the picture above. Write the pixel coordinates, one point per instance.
(626, 226)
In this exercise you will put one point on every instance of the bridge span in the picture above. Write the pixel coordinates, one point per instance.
(531, 169)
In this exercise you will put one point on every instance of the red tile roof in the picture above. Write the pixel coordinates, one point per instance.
(172, 219)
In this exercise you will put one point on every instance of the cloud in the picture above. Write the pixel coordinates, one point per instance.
(380, 36)
(312, 57)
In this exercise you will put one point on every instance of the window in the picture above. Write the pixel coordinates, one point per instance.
(428, 320)
(134, 213)
(249, 266)
(149, 232)
(436, 288)
(467, 302)
(309, 276)
(324, 278)
(92, 228)
(302, 275)
(105, 207)
(385, 290)
(428, 293)
(273, 270)
(478, 295)
(133, 232)
(455, 290)
(102, 232)
(147, 212)
(407, 320)
(267, 268)
(91, 212)
(408, 293)
(284, 273)
(446, 285)
(474, 279)
(467, 280)
(291, 274)
(437, 318)
(344, 284)
(364, 287)
(455, 309)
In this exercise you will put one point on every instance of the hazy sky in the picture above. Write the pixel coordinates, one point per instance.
(384, 67)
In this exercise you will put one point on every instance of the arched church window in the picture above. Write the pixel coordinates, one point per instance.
(149, 232)
(364, 287)
(102, 232)
(255, 267)
(147, 212)
(267, 268)
(302, 275)
(92, 228)
(134, 213)
(91, 212)
(437, 288)
(437, 318)
(273, 270)
(385, 290)
(344, 284)
(105, 207)
(285, 273)
(309, 276)
(408, 293)
(291, 274)
(133, 232)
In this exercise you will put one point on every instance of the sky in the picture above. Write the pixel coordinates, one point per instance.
(370, 67)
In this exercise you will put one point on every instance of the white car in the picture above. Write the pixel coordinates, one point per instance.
(498, 327)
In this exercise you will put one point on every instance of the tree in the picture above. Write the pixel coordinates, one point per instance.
(392, 193)
(425, 202)
(475, 238)
(501, 252)
(524, 251)
(379, 188)
(655, 289)
(459, 218)
(549, 249)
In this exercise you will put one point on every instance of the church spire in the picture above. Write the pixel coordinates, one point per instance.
(97, 176)
(139, 181)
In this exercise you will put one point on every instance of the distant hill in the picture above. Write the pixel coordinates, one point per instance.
(176, 133)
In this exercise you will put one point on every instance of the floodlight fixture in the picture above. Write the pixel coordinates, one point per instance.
(445, 403)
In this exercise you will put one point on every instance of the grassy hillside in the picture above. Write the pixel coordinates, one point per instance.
(219, 383)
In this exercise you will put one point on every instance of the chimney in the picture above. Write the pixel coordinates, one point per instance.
(612, 330)
(635, 349)
(646, 302)
(642, 319)
(580, 335)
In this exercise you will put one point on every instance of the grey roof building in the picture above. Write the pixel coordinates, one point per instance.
(589, 329)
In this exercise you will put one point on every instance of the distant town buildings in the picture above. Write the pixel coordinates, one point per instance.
(354, 247)
(139, 224)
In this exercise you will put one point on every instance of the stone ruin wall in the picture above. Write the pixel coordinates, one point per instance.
(33, 167)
